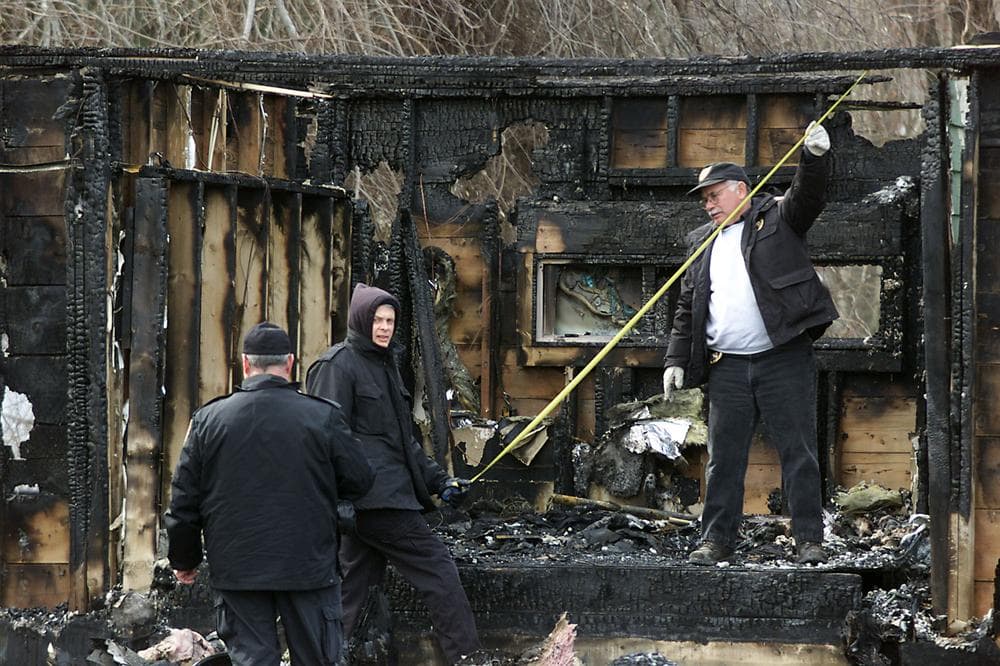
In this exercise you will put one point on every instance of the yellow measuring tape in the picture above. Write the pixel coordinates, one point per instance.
(530, 428)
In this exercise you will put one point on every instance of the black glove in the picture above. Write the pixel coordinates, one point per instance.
(346, 518)
(454, 491)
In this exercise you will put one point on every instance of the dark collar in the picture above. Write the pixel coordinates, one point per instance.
(265, 381)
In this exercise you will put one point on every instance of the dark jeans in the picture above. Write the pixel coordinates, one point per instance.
(311, 620)
(404, 539)
(778, 388)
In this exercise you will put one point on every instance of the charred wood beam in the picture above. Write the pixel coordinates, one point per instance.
(86, 342)
(241, 180)
(146, 362)
(937, 336)
(435, 384)
(490, 248)
(523, 70)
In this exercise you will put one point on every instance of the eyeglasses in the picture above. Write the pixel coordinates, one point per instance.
(713, 197)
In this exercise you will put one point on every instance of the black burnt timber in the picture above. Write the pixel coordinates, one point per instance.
(242, 180)
(435, 384)
(294, 66)
(658, 229)
(86, 345)
(642, 601)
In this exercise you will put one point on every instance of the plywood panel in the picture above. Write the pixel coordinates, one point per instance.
(209, 108)
(276, 161)
(639, 134)
(763, 476)
(184, 219)
(36, 531)
(892, 470)
(541, 383)
(467, 254)
(282, 262)
(35, 249)
(987, 550)
(987, 419)
(315, 333)
(36, 585)
(712, 129)
(471, 357)
(33, 194)
(218, 266)
(466, 325)
(245, 134)
(251, 260)
(987, 471)
(877, 424)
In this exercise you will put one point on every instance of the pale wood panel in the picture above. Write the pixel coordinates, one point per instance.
(36, 585)
(874, 425)
(760, 481)
(639, 135)
(548, 238)
(472, 358)
(276, 135)
(251, 261)
(531, 382)
(772, 144)
(892, 470)
(987, 550)
(184, 208)
(217, 275)
(315, 288)
(39, 534)
(784, 111)
(209, 108)
(467, 253)
(245, 134)
(467, 325)
(341, 268)
(178, 129)
(983, 595)
(698, 147)
(987, 471)
(713, 112)
(282, 258)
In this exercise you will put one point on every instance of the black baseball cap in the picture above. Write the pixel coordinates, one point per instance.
(266, 339)
(719, 172)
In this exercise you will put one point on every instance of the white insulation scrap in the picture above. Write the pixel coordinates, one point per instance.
(18, 421)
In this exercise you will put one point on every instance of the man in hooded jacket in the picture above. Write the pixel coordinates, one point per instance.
(361, 375)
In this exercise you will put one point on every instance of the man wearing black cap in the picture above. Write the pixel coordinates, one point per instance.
(749, 309)
(361, 375)
(260, 476)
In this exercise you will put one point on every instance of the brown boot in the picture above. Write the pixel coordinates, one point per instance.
(811, 552)
(710, 552)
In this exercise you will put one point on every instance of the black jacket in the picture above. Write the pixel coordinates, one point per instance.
(260, 475)
(364, 380)
(791, 298)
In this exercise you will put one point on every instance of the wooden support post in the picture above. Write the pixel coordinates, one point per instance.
(145, 381)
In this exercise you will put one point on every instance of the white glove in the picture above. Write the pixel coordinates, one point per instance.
(817, 140)
(673, 378)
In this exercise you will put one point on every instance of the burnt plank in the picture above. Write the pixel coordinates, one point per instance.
(29, 112)
(35, 248)
(41, 316)
(35, 530)
(660, 229)
(33, 194)
(184, 205)
(44, 381)
(251, 257)
(218, 300)
(607, 601)
(341, 268)
(145, 420)
(36, 585)
(315, 271)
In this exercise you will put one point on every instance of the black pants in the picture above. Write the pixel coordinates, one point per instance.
(777, 387)
(311, 620)
(404, 539)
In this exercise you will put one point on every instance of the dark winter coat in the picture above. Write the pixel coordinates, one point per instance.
(791, 298)
(364, 380)
(260, 475)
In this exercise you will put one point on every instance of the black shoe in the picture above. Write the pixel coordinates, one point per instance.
(811, 552)
(710, 553)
